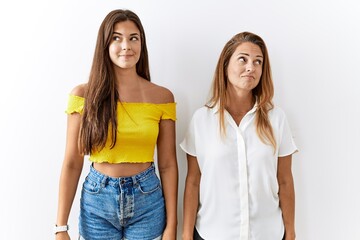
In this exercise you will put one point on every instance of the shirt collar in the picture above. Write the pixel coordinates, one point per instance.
(215, 109)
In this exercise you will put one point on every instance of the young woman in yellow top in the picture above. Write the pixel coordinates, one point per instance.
(117, 118)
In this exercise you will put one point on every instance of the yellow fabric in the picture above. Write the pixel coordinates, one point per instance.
(75, 104)
(137, 131)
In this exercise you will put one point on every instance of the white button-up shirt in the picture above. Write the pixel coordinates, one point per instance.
(238, 187)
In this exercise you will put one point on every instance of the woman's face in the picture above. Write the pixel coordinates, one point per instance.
(245, 67)
(125, 45)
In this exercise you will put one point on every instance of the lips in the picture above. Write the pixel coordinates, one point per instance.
(249, 77)
(126, 57)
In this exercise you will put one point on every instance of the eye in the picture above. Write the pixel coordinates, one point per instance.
(258, 62)
(242, 59)
(134, 38)
(115, 38)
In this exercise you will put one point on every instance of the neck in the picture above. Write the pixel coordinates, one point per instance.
(239, 102)
(126, 77)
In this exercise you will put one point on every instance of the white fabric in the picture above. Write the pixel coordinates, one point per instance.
(238, 187)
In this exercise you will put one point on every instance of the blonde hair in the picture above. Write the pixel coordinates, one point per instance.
(263, 92)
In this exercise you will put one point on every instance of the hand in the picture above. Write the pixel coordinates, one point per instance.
(62, 236)
(169, 234)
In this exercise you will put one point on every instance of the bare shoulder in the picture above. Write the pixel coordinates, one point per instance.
(164, 94)
(159, 94)
(79, 90)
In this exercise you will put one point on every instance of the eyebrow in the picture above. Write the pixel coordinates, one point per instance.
(132, 34)
(249, 55)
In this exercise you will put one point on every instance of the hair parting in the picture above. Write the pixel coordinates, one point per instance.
(263, 92)
(101, 95)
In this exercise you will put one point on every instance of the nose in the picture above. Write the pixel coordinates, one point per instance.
(126, 45)
(250, 67)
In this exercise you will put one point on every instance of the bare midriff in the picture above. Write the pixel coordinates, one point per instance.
(121, 169)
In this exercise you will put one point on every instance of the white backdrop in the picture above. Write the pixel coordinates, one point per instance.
(46, 48)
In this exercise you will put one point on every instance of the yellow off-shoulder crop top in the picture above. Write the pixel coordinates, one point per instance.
(137, 130)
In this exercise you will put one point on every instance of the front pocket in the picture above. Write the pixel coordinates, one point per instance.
(149, 185)
(91, 186)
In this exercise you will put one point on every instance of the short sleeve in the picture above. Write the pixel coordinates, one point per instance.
(287, 145)
(169, 111)
(188, 144)
(75, 104)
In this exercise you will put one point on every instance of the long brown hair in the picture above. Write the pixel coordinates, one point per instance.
(263, 92)
(101, 96)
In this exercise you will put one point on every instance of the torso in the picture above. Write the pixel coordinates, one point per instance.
(144, 91)
(249, 201)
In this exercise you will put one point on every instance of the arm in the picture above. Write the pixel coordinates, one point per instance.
(287, 195)
(191, 197)
(71, 168)
(168, 170)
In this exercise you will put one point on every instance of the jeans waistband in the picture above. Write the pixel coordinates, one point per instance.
(104, 179)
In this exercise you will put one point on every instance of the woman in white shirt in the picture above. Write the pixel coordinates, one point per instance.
(239, 183)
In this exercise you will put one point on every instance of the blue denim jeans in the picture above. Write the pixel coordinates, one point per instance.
(130, 208)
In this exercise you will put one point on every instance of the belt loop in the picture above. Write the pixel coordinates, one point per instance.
(104, 181)
(134, 180)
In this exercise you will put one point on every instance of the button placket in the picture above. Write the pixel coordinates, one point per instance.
(244, 191)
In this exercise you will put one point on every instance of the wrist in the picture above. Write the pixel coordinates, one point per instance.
(187, 237)
(170, 229)
(58, 229)
(188, 234)
(171, 224)
(290, 235)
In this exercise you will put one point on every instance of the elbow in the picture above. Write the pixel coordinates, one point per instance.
(168, 164)
(73, 163)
